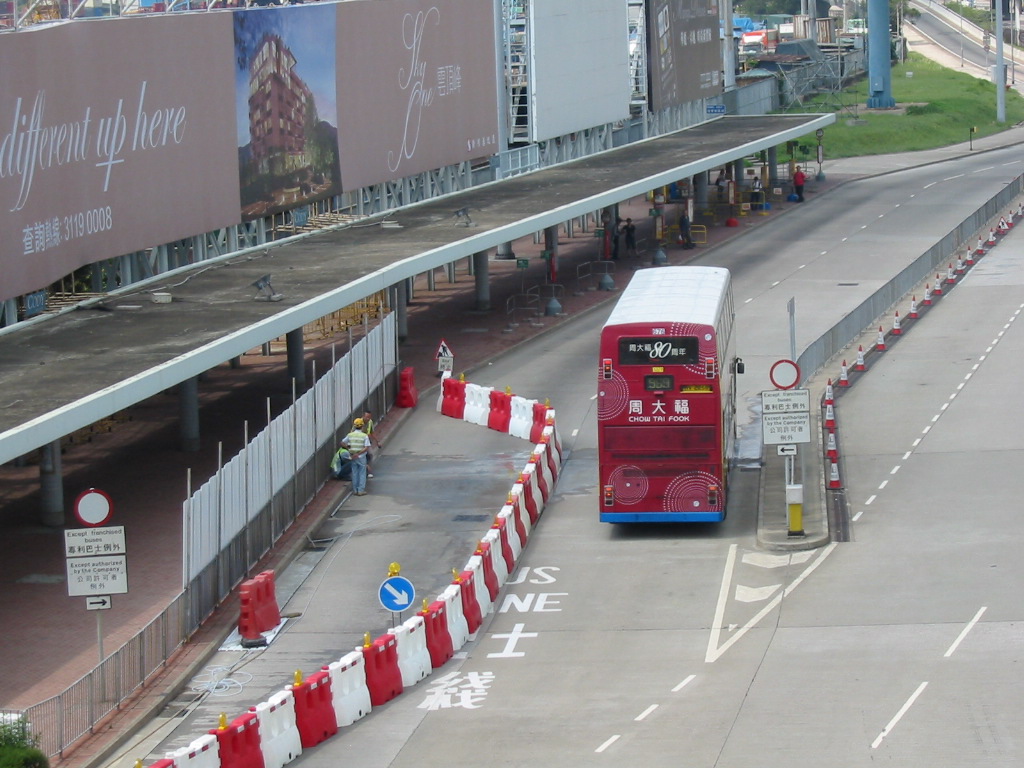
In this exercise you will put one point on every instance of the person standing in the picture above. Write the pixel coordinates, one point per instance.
(757, 192)
(357, 444)
(798, 184)
(721, 183)
(629, 230)
(685, 237)
(368, 426)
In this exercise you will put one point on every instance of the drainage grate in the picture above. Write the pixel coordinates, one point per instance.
(848, 285)
(471, 518)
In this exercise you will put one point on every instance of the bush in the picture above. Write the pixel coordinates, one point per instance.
(22, 757)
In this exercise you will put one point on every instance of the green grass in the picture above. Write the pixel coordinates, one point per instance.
(951, 103)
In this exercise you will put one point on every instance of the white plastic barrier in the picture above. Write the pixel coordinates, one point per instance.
(279, 735)
(483, 597)
(348, 688)
(493, 537)
(522, 417)
(508, 514)
(440, 393)
(458, 627)
(413, 655)
(201, 753)
(530, 487)
(478, 404)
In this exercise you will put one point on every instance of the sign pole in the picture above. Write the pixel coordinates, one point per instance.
(99, 634)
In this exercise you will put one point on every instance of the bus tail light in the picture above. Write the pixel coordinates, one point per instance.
(713, 496)
(608, 495)
(606, 368)
(710, 368)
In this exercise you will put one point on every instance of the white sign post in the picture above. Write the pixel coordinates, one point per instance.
(786, 422)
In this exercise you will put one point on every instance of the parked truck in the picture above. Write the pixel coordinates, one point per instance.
(758, 42)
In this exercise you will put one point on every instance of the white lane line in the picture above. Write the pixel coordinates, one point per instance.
(882, 486)
(748, 300)
(950, 178)
(930, 184)
(944, 406)
(935, 417)
(683, 684)
(881, 215)
(894, 470)
(961, 384)
(982, 170)
(856, 517)
(645, 713)
(976, 366)
(963, 634)
(776, 283)
(907, 455)
(801, 266)
(916, 443)
(903, 710)
(844, 240)
(715, 653)
(594, 397)
(608, 743)
(871, 499)
(723, 597)
(574, 433)
(926, 430)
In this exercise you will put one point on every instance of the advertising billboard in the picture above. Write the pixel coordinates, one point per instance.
(683, 51)
(107, 144)
(579, 69)
(416, 87)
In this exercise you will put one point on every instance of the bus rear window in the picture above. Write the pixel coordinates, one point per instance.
(663, 350)
(651, 441)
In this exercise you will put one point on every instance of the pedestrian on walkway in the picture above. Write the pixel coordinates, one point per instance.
(629, 230)
(798, 184)
(341, 464)
(721, 183)
(756, 193)
(372, 443)
(685, 237)
(358, 444)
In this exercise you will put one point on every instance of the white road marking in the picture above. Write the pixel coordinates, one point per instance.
(926, 430)
(903, 710)
(963, 634)
(930, 184)
(765, 560)
(906, 455)
(645, 713)
(714, 653)
(608, 743)
(916, 443)
(683, 684)
(574, 433)
(870, 500)
(894, 470)
(748, 300)
(950, 178)
(856, 517)
(755, 594)
(776, 283)
(594, 397)
(882, 486)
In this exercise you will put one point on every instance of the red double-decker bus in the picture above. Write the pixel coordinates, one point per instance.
(666, 405)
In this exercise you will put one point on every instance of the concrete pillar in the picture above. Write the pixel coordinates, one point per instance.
(551, 246)
(296, 358)
(738, 177)
(10, 313)
(188, 414)
(700, 190)
(450, 267)
(505, 251)
(401, 310)
(235, 362)
(481, 275)
(51, 485)
(431, 280)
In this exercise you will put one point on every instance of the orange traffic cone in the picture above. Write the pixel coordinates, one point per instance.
(913, 308)
(829, 394)
(896, 329)
(880, 344)
(830, 417)
(833, 477)
(844, 376)
(859, 365)
(830, 447)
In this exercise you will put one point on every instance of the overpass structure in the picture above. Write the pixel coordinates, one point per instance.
(64, 372)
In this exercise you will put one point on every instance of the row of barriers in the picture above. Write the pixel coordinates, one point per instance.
(311, 710)
(933, 291)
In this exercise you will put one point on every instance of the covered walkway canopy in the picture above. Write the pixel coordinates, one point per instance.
(65, 372)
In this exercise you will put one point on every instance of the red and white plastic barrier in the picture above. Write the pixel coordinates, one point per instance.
(413, 656)
(475, 566)
(314, 709)
(506, 521)
(483, 551)
(522, 417)
(239, 742)
(201, 753)
(458, 629)
(383, 676)
(495, 549)
(470, 602)
(350, 696)
(499, 415)
(478, 404)
(439, 640)
(279, 734)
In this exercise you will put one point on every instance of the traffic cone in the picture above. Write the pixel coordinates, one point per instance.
(980, 250)
(927, 300)
(830, 447)
(844, 376)
(1020, 210)
(991, 237)
(880, 344)
(959, 266)
(830, 417)
(859, 365)
(950, 277)
(913, 308)
(833, 477)
(969, 257)
(896, 330)
(1009, 220)
(829, 394)
(938, 285)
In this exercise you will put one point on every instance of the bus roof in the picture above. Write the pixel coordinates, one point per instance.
(673, 295)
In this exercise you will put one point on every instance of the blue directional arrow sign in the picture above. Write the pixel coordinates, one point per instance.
(396, 593)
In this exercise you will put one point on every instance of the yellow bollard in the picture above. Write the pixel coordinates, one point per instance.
(795, 509)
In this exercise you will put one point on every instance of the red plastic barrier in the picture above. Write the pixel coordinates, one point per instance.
(453, 398)
(549, 452)
(542, 481)
(515, 500)
(267, 613)
(470, 605)
(439, 639)
(490, 577)
(506, 548)
(408, 395)
(500, 414)
(540, 413)
(383, 675)
(526, 479)
(314, 709)
(239, 743)
(248, 615)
